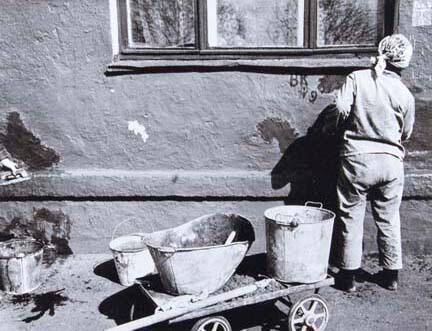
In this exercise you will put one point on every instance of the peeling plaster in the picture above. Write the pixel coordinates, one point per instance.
(23, 145)
(138, 129)
(48, 226)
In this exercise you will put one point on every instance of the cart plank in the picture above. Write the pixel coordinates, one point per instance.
(259, 298)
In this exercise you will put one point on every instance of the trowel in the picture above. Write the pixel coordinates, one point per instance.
(8, 178)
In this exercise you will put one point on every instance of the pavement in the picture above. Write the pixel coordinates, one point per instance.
(81, 292)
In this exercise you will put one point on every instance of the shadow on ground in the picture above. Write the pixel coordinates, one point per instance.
(126, 305)
(107, 269)
(43, 303)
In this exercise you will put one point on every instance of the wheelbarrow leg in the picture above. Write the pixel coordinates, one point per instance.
(286, 301)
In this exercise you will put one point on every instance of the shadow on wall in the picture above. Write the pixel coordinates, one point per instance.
(310, 163)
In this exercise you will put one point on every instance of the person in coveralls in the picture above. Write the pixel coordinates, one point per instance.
(377, 112)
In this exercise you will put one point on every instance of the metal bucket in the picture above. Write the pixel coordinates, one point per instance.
(131, 256)
(195, 258)
(20, 265)
(298, 242)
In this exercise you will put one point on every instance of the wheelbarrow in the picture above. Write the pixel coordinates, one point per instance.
(200, 255)
(310, 313)
(179, 293)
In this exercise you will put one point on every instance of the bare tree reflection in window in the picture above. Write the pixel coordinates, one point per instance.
(257, 23)
(348, 22)
(162, 23)
(231, 26)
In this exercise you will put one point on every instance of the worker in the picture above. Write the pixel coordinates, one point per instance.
(5, 160)
(377, 112)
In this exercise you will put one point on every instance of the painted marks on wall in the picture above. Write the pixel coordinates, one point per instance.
(52, 227)
(138, 129)
(23, 145)
(301, 83)
(422, 13)
(276, 128)
(326, 84)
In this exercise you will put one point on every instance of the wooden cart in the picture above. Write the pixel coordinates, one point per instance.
(309, 313)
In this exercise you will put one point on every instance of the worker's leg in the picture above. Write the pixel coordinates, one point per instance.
(351, 196)
(385, 207)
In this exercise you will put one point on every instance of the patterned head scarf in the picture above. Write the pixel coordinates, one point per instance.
(396, 50)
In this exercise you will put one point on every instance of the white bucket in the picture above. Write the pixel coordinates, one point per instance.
(132, 257)
(20, 265)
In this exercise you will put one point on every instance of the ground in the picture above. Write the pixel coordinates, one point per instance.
(81, 293)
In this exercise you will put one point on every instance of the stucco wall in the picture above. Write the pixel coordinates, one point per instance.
(211, 138)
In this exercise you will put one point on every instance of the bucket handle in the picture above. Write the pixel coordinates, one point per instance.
(292, 221)
(314, 204)
(121, 223)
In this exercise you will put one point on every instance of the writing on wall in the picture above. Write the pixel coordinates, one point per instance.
(304, 90)
(326, 84)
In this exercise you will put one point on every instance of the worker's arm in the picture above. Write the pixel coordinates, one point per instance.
(408, 119)
(345, 98)
(331, 119)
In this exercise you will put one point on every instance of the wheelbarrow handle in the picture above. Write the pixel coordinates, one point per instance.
(138, 234)
(173, 313)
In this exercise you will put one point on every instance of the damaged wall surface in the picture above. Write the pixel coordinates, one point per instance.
(166, 147)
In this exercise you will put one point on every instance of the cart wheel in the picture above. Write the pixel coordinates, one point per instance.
(213, 323)
(308, 314)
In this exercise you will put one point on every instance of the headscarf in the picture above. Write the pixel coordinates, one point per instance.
(396, 50)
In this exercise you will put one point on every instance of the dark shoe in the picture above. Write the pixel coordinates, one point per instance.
(387, 279)
(345, 280)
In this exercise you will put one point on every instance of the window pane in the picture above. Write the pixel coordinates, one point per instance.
(255, 23)
(349, 22)
(161, 23)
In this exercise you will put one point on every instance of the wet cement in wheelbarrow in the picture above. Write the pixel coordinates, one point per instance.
(237, 281)
(209, 231)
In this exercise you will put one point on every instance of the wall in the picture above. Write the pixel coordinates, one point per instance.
(163, 148)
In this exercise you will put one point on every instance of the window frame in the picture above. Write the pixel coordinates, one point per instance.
(203, 52)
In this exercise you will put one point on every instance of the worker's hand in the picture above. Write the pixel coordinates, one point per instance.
(7, 163)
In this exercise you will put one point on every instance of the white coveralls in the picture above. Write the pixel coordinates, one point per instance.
(378, 114)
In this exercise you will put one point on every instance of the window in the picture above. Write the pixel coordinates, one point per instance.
(215, 29)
